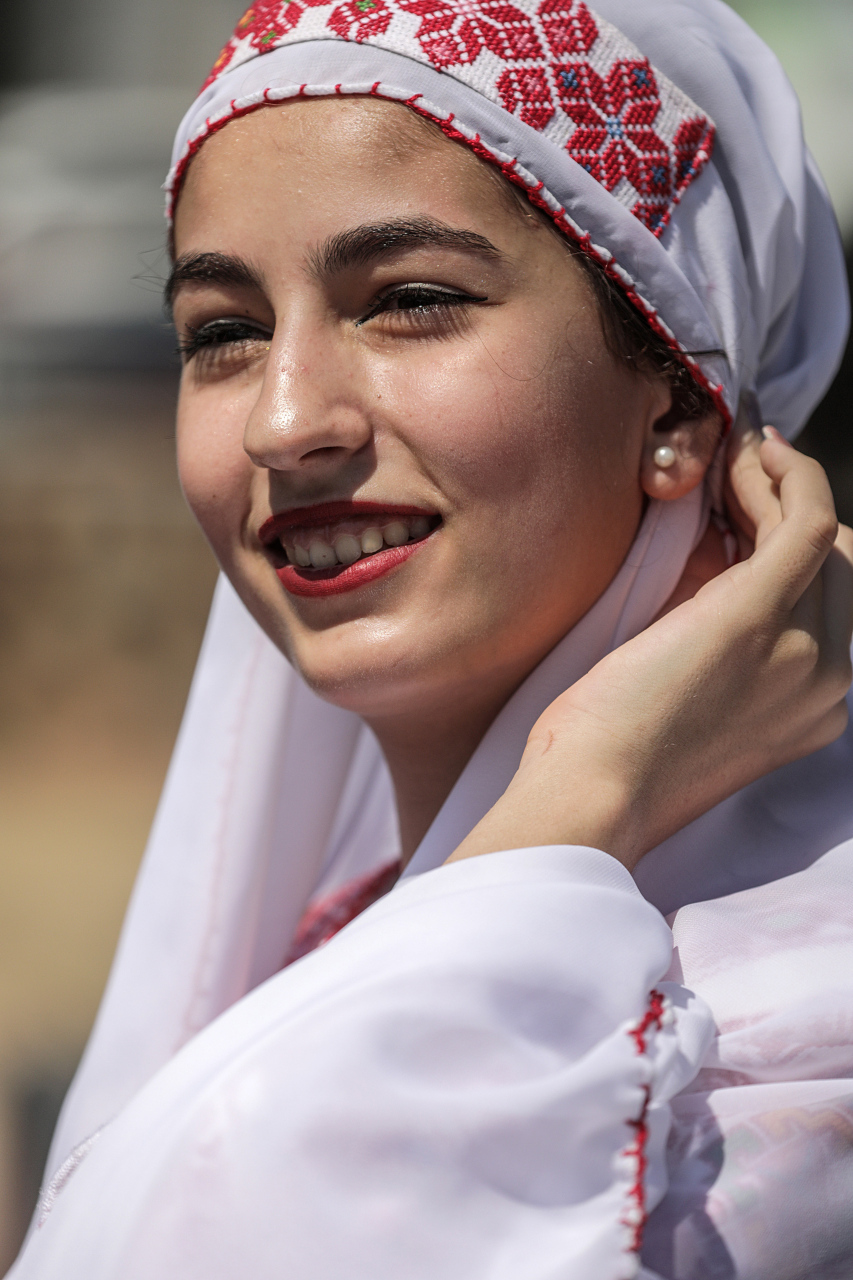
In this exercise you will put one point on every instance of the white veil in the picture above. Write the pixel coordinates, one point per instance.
(273, 794)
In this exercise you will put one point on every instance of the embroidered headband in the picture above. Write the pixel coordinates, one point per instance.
(592, 127)
(559, 68)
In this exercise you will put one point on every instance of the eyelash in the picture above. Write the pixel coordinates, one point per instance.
(218, 333)
(421, 300)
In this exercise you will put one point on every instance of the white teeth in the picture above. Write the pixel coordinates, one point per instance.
(371, 541)
(322, 555)
(396, 533)
(347, 548)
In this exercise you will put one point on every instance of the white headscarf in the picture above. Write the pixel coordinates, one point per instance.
(662, 135)
(718, 227)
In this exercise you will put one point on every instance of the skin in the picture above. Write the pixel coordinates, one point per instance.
(747, 672)
(507, 417)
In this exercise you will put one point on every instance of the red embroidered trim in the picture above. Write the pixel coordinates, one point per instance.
(636, 1152)
(509, 169)
(625, 123)
(326, 918)
(455, 32)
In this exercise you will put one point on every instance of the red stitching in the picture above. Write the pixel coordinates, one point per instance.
(455, 32)
(570, 27)
(322, 920)
(585, 243)
(507, 168)
(652, 1019)
(612, 101)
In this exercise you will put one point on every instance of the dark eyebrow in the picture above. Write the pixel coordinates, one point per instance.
(360, 245)
(210, 268)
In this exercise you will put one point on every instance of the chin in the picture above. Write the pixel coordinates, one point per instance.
(372, 679)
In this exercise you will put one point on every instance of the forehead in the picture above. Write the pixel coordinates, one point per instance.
(325, 158)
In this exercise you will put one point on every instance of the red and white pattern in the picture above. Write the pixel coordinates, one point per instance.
(555, 64)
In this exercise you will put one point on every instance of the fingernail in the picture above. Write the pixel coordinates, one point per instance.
(770, 433)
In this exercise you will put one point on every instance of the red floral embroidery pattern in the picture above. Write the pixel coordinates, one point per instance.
(525, 92)
(267, 21)
(359, 19)
(569, 26)
(693, 139)
(455, 32)
(566, 71)
(614, 138)
(264, 24)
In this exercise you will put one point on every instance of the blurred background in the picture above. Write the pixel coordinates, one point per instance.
(104, 580)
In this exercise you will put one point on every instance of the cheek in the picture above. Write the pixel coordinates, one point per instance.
(522, 429)
(215, 472)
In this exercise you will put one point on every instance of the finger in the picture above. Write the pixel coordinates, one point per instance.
(752, 497)
(837, 577)
(793, 552)
(825, 613)
(827, 729)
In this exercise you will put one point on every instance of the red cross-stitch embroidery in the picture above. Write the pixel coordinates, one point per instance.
(691, 147)
(569, 26)
(267, 21)
(614, 138)
(524, 91)
(454, 32)
(692, 144)
(566, 72)
(359, 19)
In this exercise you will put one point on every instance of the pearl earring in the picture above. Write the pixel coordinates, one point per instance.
(664, 456)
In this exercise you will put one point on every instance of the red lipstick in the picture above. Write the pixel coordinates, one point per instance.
(317, 582)
(323, 513)
(344, 577)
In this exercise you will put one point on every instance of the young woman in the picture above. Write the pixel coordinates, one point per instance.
(469, 296)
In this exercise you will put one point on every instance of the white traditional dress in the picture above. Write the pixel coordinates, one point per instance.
(526, 1066)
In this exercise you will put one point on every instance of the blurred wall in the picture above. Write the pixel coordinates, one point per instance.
(814, 42)
(114, 42)
(91, 94)
(104, 580)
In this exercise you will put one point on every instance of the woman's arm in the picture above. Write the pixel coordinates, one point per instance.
(469, 1082)
(747, 675)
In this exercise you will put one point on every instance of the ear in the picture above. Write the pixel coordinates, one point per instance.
(677, 452)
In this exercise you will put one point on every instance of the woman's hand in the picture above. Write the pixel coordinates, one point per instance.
(748, 674)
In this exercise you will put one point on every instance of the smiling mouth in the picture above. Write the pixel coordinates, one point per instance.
(336, 547)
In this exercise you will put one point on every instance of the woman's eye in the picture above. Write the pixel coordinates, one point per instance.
(219, 334)
(418, 302)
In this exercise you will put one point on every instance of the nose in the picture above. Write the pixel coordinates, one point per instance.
(311, 414)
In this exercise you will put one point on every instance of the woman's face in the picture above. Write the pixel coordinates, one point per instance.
(369, 317)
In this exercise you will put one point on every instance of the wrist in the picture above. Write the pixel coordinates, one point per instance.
(548, 807)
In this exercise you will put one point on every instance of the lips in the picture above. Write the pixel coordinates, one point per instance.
(334, 547)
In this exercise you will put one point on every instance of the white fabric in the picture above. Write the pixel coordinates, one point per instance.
(486, 1018)
(451, 1087)
(751, 261)
(260, 807)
